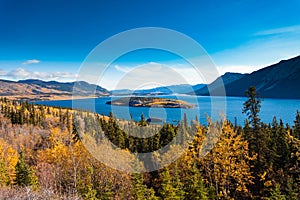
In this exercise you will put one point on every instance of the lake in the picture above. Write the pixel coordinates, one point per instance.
(205, 105)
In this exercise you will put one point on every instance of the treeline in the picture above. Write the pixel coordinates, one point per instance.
(43, 155)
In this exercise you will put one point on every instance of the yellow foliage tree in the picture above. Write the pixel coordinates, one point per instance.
(228, 164)
(8, 161)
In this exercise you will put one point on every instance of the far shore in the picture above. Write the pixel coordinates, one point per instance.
(46, 97)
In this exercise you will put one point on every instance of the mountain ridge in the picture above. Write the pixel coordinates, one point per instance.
(162, 90)
(35, 89)
(227, 78)
(279, 80)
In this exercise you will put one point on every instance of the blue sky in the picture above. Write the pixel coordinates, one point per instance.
(50, 39)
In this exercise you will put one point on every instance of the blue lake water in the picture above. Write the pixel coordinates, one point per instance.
(211, 106)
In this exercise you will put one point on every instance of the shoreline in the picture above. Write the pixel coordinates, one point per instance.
(33, 98)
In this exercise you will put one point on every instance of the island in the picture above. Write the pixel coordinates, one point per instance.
(150, 102)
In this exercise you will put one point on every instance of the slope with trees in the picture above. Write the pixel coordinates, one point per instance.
(42, 155)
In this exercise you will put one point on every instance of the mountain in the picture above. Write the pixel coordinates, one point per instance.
(279, 80)
(38, 89)
(225, 79)
(164, 90)
(197, 87)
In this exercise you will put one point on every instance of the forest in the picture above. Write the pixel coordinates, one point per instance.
(43, 156)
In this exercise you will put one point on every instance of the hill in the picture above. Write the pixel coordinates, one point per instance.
(33, 89)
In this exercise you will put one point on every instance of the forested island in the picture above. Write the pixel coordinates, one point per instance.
(42, 156)
(150, 102)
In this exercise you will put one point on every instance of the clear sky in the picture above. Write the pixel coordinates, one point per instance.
(48, 39)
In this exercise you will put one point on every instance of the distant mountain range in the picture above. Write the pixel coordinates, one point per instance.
(199, 89)
(164, 90)
(37, 89)
(281, 80)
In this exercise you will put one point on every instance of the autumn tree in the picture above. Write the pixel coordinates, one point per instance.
(8, 162)
(228, 165)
